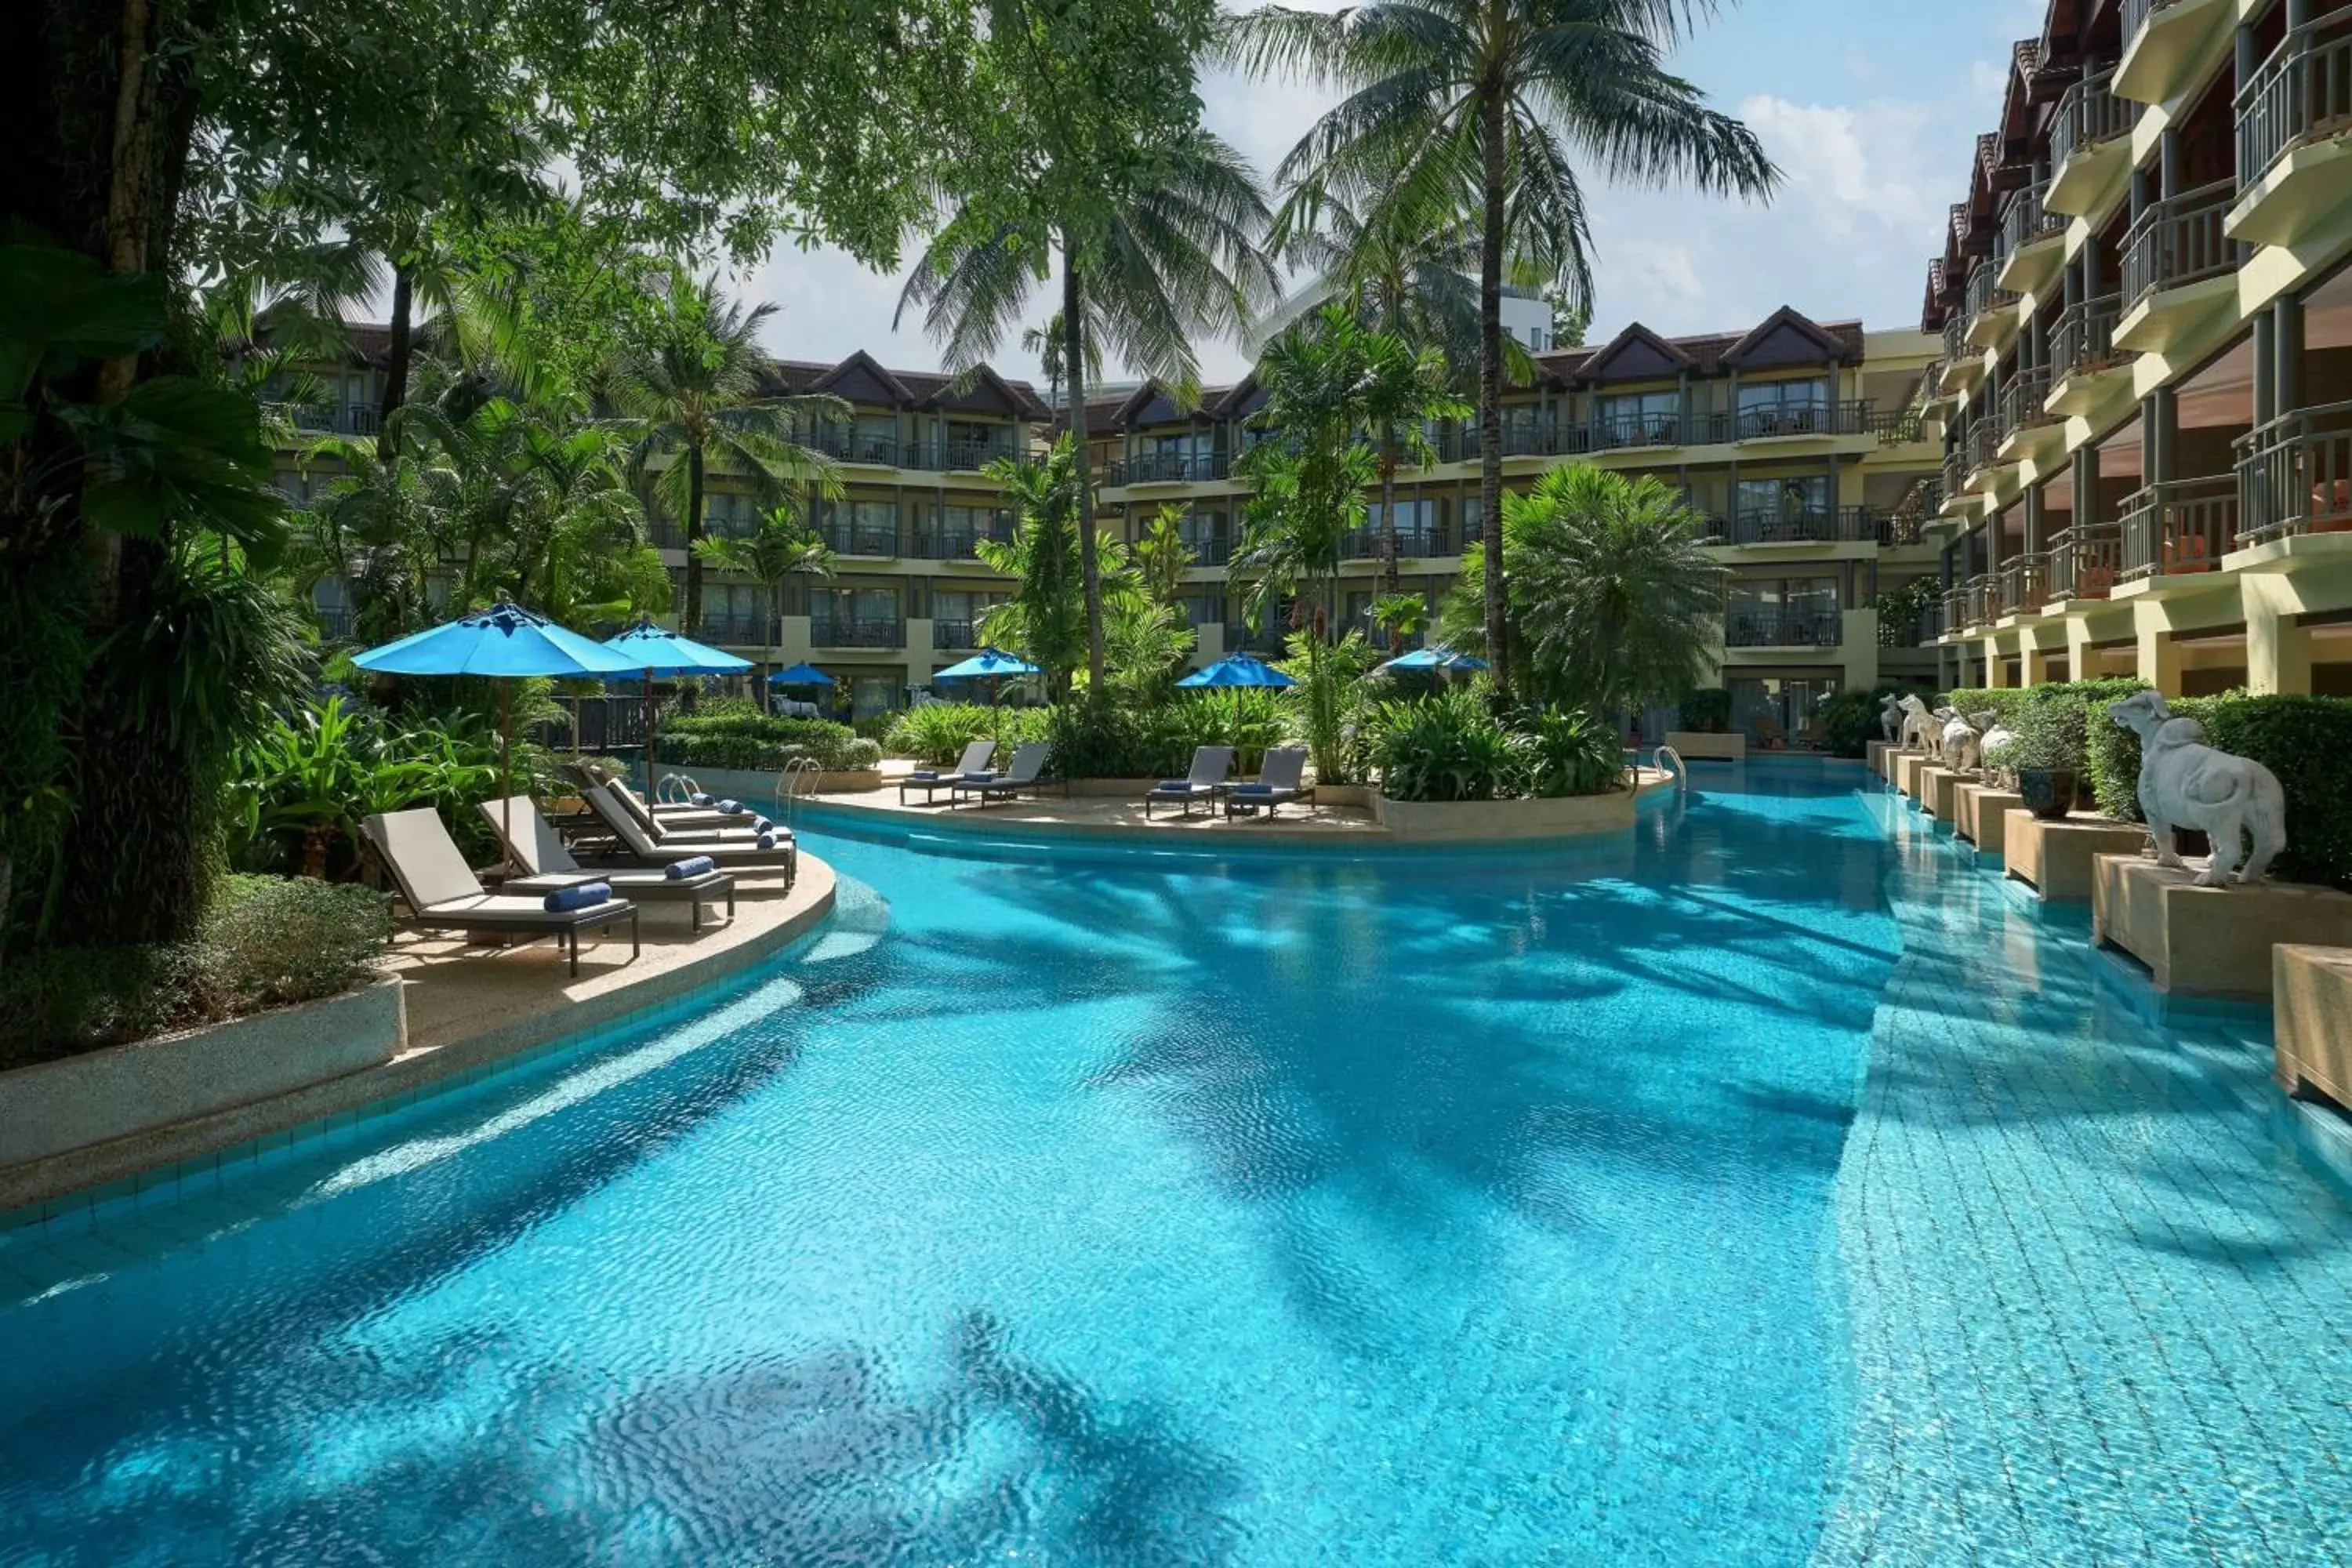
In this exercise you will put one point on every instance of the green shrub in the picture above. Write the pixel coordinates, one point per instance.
(1449, 747)
(1707, 711)
(1971, 702)
(938, 733)
(61, 1001)
(738, 735)
(2054, 725)
(874, 726)
(1571, 754)
(1850, 720)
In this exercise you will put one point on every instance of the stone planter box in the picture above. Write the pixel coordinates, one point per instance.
(2054, 859)
(1359, 797)
(2209, 941)
(100, 1097)
(1506, 819)
(1711, 748)
(1878, 758)
(1982, 816)
(1939, 793)
(2311, 1007)
(1907, 766)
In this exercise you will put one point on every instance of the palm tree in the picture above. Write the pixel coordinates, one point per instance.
(1050, 343)
(1614, 602)
(780, 548)
(1045, 620)
(1473, 106)
(1401, 392)
(1399, 617)
(692, 389)
(335, 278)
(1168, 252)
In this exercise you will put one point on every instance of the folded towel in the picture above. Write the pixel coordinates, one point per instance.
(924, 776)
(731, 807)
(578, 897)
(1255, 789)
(679, 870)
(762, 824)
(705, 800)
(980, 778)
(1172, 785)
(766, 840)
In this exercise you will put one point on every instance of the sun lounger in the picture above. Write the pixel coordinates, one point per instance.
(704, 811)
(1281, 779)
(443, 894)
(1200, 786)
(641, 847)
(972, 768)
(546, 865)
(1028, 764)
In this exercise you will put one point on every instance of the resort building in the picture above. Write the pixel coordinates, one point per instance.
(1806, 447)
(2147, 381)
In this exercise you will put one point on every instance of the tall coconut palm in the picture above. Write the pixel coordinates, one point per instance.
(780, 548)
(1170, 253)
(1045, 620)
(693, 389)
(1050, 343)
(1482, 106)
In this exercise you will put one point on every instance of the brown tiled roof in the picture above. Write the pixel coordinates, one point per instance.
(922, 387)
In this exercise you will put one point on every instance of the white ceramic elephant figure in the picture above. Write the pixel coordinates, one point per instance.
(1996, 735)
(1919, 726)
(1962, 744)
(1890, 716)
(2184, 782)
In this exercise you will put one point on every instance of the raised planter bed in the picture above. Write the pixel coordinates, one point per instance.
(2311, 1009)
(2209, 941)
(2054, 859)
(1493, 819)
(119, 1092)
(1693, 744)
(1982, 816)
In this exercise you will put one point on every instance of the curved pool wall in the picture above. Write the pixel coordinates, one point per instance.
(1769, 1189)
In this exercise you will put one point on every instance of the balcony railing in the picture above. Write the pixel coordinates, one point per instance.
(959, 457)
(1412, 543)
(1810, 525)
(953, 635)
(1984, 445)
(1955, 339)
(2085, 338)
(849, 446)
(957, 543)
(2023, 222)
(1619, 431)
(1519, 440)
(2024, 583)
(2179, 526)
(2021, 400)
(2089, 115)
(2303, 92)
(737, 631)
(2180, 241)
(2294, 475)
(1983, 599)
(857, 631)
(1744, 626)
(1170, 468)
(1952, 616)
(1985, 295)
(2137, 14)
(849, 539)
(2085, 562)
(334, 623)
(327, 418)
(1850, 418)
(1957, 467)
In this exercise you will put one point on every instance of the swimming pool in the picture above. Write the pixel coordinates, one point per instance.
(1620, 1205)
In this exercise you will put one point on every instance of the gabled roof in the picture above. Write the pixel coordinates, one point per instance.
(1778, 340)
(940, 391)
(1634, 354)
(859, 370)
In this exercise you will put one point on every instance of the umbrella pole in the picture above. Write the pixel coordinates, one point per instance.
(506, 776)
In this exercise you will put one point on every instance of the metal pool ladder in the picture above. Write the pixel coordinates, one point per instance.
(798, 777)
(1665, 754)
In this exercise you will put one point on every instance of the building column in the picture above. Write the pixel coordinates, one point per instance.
(2160, 425)
(1996, 676)
(2286, 332)
(2278, 647)
(2037, 523)
(2160, 656)
(2086, 487)
(2079, 652)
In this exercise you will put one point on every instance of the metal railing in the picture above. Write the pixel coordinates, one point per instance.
(850, 539)
(2024, 583)
(2179, 526)
(957, 543)
(2294, 475)
(1955, 339)
(960, 456)
(1983, 598)
(1985, 295)
(1519, 440)
(1617, 431)
(1984, 445)
(2021, 400)
(1824, 418)
(1776, 627)
(1957, 467)
(1170, 468)
(857, 631)
(334, 624)
(739, 631)
(1952, 616)
(2303, 92)
(849, 447)
(1810, 525)
(2180, 241)
(953, 635)
(2023, 221)
(2085, 562)
(2090, 113)
(2137, 14)
(1412, 543)
(2085, 338)
(327, 418)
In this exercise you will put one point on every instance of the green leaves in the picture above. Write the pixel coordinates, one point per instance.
(59, 310)
(177, 448)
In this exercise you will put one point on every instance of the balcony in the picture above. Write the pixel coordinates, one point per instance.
(2027, 426)
(2090, 148)
(1771, 627)
(2083, 355)
(1170, 468)
(1958, 497)
(954, 637)
(850, 446)
(2031, 246)
(1983, 451)
(1962, 364)
(846, 539)
(326, 418)
(732, 631)
(1412, 543)
(957, 543)
(2293, 165)
(1519, 440)
(1983, 599)
(2024, 583)
(2085, 562)
(1619, 432)
(959, 457)
(1952, 616)
(2165, 44)
(1791, 421)
(2179, 268)
(1844, 525)
(2294, 477)
(1991, 308)
(2178, 528)
(857, 631)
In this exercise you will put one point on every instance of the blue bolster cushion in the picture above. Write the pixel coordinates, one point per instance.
(923, 775)
(762, 824)
(1173, 787)
(1253, 789)
(699, 866)
(731, 807)
(705, 800)
(579, 897)
(767, 841)
(979, 778)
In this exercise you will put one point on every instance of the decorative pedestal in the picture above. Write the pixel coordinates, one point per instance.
(1982, 817)
(2209, 941)
(1907, 772)
(1939, 792)
(2055, 858)
(1875, 756)
(2311, 1007)
(1708, 748)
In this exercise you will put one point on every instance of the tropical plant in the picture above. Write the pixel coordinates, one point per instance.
(1448, 747)
(1045, 619)
(1472, 106)
(300, 787)
(781, 548)
(1331, 701)
(1570, 753)
(936, 732)
(1614, 602)
(1400, 617)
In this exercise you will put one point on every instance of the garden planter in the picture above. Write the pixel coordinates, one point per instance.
(2049, 792)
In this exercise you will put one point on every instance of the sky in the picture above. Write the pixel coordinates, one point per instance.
(1871, 107)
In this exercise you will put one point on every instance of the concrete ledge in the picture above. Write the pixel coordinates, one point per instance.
(463, 1014)
(759, 786)
(1980, 816)
(1939, 792)
(51, 1108)
(2209, 941)
(1876, 755)
(2311, 1007)
(2054, 859)
(1432, 822)
(1908, 767)
(1708, 748)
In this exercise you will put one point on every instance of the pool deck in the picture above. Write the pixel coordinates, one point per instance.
(470, 1010)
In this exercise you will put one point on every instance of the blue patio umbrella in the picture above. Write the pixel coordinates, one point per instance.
(801, 675)
(505, 642)
(986, 663)
(1433, 658)
(1237, 672)
(648, 648)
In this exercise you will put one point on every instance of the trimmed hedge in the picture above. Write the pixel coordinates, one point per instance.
(739, 736)
(2306, 741)
(2054, 725)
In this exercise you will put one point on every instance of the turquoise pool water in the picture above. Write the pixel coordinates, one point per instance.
(1657, 1205)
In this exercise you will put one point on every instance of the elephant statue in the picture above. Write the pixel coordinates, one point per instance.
(2184, 782)
(1890, 716)
(1962, 744)
(1996, 735)
(1919, 725)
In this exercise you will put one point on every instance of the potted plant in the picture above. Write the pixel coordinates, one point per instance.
(2047, 755)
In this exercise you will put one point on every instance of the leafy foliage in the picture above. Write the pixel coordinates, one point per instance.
(1332, 701)
(1570, 753)
(735, 734)
(1705, 711)
(1448, 747)
(938, 733)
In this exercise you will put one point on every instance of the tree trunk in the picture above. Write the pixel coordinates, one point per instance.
(1089, 557)
(397, 355)
(690, 621)
(1388, 575)
(1490, 386)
